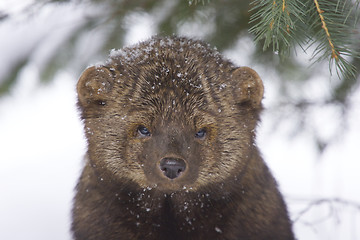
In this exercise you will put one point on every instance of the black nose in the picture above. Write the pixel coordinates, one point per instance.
(172, 167)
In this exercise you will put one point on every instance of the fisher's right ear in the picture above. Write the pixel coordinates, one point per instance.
(94, 86)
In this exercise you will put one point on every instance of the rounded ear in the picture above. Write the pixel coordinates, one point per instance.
(94, 85)
(248, 86)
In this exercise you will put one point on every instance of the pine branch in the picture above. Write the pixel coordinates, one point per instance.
(276, 23)
(330, 25)
(333, 29)
(320, 12)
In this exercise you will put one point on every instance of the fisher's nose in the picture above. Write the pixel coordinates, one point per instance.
(172, 167)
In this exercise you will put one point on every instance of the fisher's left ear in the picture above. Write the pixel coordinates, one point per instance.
(247, 86)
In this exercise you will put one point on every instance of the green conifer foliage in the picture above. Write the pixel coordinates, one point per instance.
(329, 25)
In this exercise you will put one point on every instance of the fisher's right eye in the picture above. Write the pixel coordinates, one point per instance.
(143, 131)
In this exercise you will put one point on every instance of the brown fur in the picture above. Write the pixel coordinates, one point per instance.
(174, 87)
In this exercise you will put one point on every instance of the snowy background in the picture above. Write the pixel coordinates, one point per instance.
(42, 144)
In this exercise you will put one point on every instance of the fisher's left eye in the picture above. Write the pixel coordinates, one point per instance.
(201, 134)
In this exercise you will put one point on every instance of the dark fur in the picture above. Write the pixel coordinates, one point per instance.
(174, 87)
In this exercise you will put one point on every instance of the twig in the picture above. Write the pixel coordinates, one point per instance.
(334, 54)
(326, 201)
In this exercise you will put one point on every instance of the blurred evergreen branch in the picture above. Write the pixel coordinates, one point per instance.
(198, 1)
(328, 27)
